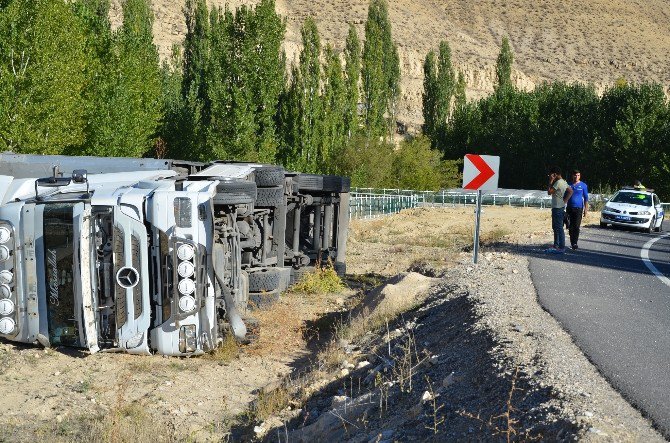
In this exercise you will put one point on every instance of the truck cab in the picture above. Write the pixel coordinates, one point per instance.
(76, 263)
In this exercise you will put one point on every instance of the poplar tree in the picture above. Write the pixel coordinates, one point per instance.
(459, 92)
(352, 59)
(504, 65)
(232, 130)
(288, 118)
(43, 59)
(132, 107)
(267, 68)
(380, 71)
(429, 95)
(332, 135)
(189, 139)
(310, 103)
(446, 82)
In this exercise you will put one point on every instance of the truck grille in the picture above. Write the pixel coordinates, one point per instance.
(120, 292)
(137, 289)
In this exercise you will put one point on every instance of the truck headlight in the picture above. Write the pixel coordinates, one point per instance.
(6, 325)
(185, 269)
(5, 234)
(187, 303)
(187, 339)
(6, 307)
(185, 252)
(186, 286)
(5, 292)
(4, 253)
(6, 277)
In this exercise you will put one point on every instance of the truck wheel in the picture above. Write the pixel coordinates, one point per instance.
(298, 274)
(340, 268)
(270, 197)
(265, 280)
(268, 176)
(259, 300)
(235, 192)
(323, 183)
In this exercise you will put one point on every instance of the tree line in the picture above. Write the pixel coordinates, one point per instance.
(69, 84)
(614, 139)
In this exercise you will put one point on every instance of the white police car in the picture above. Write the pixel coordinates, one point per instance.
(636, 208)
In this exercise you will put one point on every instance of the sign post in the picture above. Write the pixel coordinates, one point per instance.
(480, 173)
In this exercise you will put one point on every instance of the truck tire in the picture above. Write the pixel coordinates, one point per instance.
(259, 300)
(270, 197)
(340, 268)
(268, 176)
(265, 280)
(323, 183)
(299, 273)
(235, 192)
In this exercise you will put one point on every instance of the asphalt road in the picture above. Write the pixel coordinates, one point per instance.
(616, 309)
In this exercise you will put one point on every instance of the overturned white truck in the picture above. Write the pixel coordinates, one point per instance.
(145, 255)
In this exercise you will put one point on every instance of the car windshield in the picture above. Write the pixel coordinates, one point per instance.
(633, 198)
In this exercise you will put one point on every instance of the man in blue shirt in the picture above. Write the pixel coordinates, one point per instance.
(578, 206)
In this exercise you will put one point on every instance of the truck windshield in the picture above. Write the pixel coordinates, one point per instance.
(60, 271)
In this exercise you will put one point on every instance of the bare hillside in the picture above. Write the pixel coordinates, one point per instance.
(596, 41)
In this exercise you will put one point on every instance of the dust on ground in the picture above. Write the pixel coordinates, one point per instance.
(472, 338)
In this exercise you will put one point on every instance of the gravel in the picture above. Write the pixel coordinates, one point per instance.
(487, 363)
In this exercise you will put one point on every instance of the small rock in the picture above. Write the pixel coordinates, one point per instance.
(415, 411)
(514, 271)
(344, 372)
(448, 380)
(344, 364)
(342, 343)
(339, 301)
(518, 328)
(588, 414)
(259, 430)
(433, 360)
(427, 396)
(56, 374)
(59, 418)
(362, 364)
(468, 269)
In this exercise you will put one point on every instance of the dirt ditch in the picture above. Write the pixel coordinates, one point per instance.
(472, 356)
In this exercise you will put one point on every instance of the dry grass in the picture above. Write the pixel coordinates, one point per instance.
(281, 325)
(226, 352)
(269, 403)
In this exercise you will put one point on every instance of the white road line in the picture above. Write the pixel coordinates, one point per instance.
(644, 254)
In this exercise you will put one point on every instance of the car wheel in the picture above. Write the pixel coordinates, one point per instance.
(603, 224)
(650, 229)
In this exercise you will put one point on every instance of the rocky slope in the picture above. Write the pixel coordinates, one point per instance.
(597, 41)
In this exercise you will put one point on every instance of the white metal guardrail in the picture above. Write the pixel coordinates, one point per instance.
(371, 202)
